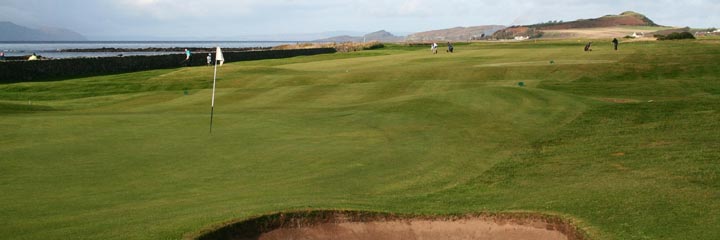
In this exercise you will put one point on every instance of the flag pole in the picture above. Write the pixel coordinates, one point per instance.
(212, 104)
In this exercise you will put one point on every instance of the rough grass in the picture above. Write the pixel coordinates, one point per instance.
(624, 143)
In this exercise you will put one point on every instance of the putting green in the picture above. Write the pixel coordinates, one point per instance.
(546, 63)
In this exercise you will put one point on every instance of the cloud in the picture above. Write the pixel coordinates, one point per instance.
(12, 14)
(251, 17)
(174, 10)
(183, 9)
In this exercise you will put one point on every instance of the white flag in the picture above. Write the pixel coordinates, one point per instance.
(219, 56)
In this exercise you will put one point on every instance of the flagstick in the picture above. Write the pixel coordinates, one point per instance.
(212, 105)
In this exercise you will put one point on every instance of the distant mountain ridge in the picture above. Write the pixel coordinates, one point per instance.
(454, 34)
(383, 36)
(628, 18)
(380, 36)
(13, 32)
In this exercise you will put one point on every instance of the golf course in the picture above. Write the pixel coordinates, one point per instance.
(623, 144)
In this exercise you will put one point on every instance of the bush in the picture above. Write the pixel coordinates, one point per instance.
(676, 36)
(375, 45)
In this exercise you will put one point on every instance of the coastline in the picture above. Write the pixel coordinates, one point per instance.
(62, 50)
(59, 69)
(171, 49)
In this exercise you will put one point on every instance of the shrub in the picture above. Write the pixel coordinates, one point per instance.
(676, 36)
(374, 45)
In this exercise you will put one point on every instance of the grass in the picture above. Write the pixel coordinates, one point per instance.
(624, 143)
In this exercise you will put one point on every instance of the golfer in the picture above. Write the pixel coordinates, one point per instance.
(615, 43)
(209, 59)
(187, 57)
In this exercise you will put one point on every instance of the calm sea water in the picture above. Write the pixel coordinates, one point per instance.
(52, 49)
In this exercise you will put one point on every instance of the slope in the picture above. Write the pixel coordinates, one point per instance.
(625, 19)
(400, 130)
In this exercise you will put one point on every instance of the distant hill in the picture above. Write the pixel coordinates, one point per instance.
(454, 34)
(383, 36)
(343, 38)
(380, 36)
(628, 18)
(14, 32)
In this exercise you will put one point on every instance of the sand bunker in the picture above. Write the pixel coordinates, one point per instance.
(546, 63)
(417, 229)
(348, 225)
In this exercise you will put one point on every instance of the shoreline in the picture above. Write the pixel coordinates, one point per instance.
(62, 50)
(120, 52)
(158, 49)
(64, 68)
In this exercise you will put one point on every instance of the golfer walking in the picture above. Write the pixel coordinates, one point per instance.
(615, 43)
(187, 57)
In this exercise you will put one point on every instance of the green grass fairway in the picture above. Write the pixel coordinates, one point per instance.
(626, 143)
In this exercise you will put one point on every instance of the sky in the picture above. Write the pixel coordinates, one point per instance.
(231, 19)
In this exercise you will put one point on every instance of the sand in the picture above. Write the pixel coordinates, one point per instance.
(419, 229)
(359, 225)
(597, 33)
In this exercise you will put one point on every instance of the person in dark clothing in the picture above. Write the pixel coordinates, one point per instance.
(587, 47)
(450, 47)
(615, 43)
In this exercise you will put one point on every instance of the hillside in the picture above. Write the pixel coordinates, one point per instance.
(624, 19)
(380, 36)
(628, 18)
(454, 34)
(14, 32)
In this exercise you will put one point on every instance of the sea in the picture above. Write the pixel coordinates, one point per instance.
(52, 49)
